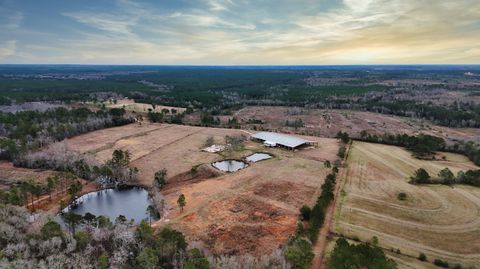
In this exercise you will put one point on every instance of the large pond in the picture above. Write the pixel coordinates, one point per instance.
(129, 202)
(229, 165)
(256, 157)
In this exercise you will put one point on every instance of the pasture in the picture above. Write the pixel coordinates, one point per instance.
(440, 221)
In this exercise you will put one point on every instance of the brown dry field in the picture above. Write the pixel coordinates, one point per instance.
(252, 211)
(327, 123)
(10, 175)
(440, 221)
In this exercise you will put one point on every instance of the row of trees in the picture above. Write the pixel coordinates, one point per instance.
(299, 248)
(422, 146)
(26, 192)
(174, 118)
(446, 176)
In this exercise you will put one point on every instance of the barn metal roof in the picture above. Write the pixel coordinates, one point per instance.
(281, 139)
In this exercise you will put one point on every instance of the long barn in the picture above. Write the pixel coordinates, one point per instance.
(276, 139)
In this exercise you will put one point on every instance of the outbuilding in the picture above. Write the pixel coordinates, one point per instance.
(271, 139)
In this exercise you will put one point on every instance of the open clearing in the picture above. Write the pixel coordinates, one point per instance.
(252, 211)
(10, 175)
(328, 122)
(131, 105)
(440, 221)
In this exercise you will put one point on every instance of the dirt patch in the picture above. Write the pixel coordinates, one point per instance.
(201, 172)
(241, 239)
(245, 209)
(284, 191)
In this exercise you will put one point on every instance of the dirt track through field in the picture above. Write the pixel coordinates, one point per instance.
(322, 241)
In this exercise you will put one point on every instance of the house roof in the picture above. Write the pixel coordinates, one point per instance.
(281, 139)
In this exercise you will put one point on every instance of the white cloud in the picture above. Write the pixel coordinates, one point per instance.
(107, 22)
(270, 32)
(220, 5)
(10, 20)
(8, 48)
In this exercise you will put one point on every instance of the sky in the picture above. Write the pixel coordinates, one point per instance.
(240, 32)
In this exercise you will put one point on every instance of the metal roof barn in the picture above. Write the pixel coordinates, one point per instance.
(281, 139)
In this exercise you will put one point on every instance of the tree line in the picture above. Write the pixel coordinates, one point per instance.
(26, 131)
(446, 177)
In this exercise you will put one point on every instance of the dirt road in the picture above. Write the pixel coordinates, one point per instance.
(319, 248)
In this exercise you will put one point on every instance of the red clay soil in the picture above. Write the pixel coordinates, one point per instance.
(319, 261)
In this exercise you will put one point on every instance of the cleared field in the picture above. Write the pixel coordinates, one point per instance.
(152, 146)
(328, 122)
(10, 175)
(251, 211)
(440, 221)
(131, 105)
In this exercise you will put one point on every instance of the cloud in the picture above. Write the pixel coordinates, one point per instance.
(7, 48)
(219, 5)
(205, 20)
(106, 22)
(10, 20)
(269, 32)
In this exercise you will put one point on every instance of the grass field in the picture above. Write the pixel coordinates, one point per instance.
(10, 175)
(252, 211)
(440, 221)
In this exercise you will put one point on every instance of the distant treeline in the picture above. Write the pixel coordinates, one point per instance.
(220, 90)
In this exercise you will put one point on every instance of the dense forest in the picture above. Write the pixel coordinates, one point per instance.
(97, 242)
(220, 89)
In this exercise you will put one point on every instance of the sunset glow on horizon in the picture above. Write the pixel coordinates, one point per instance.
(240, 32)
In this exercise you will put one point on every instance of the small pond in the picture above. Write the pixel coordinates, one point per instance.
(130, 202)
(229, 165)
(256, 157)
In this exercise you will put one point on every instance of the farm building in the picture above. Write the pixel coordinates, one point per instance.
(275, 139)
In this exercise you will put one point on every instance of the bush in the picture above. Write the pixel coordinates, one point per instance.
(441, 263)
(299, 253)
(402, 196)
(341, 152)
(421, 176)
(361, 255)
(305, 212)
(422, 257)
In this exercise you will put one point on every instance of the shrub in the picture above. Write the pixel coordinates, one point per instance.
(422, 257)
(421, 176)
(361, 255)
(299, 253)
(402, 196)
(305, 212)
(441, 263)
